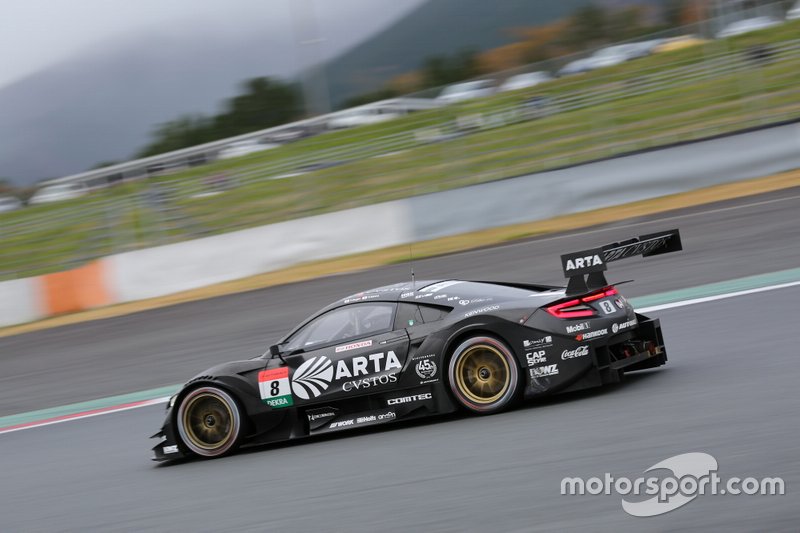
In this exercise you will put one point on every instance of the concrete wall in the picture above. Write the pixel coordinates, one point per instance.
(201, 262)
(606, 183)
(20, 301)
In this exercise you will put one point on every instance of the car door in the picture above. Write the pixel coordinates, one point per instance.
(348, 351)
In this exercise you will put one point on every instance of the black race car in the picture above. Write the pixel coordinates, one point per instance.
(422, 348)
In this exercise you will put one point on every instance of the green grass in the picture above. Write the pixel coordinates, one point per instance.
(47, 238)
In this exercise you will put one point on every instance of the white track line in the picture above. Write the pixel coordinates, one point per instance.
(724, 296)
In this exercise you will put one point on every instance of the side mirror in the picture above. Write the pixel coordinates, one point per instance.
(274, 351)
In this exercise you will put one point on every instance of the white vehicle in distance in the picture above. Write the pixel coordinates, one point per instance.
(612, 55)
(576, 67)
(362, 117)
(240, 148)
(467, 90)
(522, 81)
(57, 193)
(741, 27)
(9, 203)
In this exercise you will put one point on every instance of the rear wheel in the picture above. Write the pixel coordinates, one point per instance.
(483, 375)
(209, 422)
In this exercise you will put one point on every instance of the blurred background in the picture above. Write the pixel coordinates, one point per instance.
(127, 127)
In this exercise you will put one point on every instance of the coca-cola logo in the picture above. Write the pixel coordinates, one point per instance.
(580, 351)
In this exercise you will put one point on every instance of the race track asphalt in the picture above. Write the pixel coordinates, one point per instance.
(729, 390)
(162, 347)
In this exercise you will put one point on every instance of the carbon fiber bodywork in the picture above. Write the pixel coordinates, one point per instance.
(401, 374)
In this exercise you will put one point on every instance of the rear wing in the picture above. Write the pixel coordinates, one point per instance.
(592, 263)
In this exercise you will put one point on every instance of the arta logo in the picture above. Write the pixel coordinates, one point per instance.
(313, 377)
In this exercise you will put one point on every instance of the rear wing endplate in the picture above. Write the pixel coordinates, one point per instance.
(585, 269)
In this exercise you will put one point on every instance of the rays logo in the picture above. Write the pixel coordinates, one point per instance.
(313, 377)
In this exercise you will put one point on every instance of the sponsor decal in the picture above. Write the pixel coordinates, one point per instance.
(360, 297)
(534, 358)
(577, 327)
(423, 295)
(436, 287)
(583, 262)
(274, 387)
(580, 351)
(383, 416)
(426, 369)
(439, 296)
(619, 302)
(463, 302)
(410, 399)
(544, 371)
(353, 346)
(316, 416)
(544, 342)
(482, 310)
(170, 449)
(391, 288)
(591, 334)
(452, 298)
(313, 377)
(372, 381)
(363, 365)
(407, 295)
(625, 325)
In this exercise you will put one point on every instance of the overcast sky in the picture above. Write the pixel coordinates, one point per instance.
(35, 34)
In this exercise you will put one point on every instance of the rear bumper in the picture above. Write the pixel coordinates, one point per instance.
(639, 349)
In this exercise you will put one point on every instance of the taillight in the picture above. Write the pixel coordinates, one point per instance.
(577, 308)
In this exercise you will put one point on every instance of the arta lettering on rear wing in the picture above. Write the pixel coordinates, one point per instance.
(593, 263)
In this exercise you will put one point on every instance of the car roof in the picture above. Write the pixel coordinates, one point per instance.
(444, 292)
(465, 295)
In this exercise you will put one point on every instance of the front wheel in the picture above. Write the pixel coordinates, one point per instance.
(483, 375)
(209, 422)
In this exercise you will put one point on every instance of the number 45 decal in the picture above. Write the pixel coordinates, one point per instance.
(274, 387)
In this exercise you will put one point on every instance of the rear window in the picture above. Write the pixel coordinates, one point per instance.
(409, 314)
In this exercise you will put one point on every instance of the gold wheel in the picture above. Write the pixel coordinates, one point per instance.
(209, 422)
(483, 374)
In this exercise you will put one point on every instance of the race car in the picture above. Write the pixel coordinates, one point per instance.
(423, 348)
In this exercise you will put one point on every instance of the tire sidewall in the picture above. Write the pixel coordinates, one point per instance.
(514, 376)
(236, 421)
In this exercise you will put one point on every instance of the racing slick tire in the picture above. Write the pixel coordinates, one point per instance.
(484, 375)
(209, 422)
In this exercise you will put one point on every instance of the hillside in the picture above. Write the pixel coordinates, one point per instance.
(434, 28)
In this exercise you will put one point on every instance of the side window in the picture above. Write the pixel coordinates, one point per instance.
(344, 323)
(409, 314)
(432, 314)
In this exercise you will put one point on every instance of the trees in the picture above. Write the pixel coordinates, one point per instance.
(262, 103)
